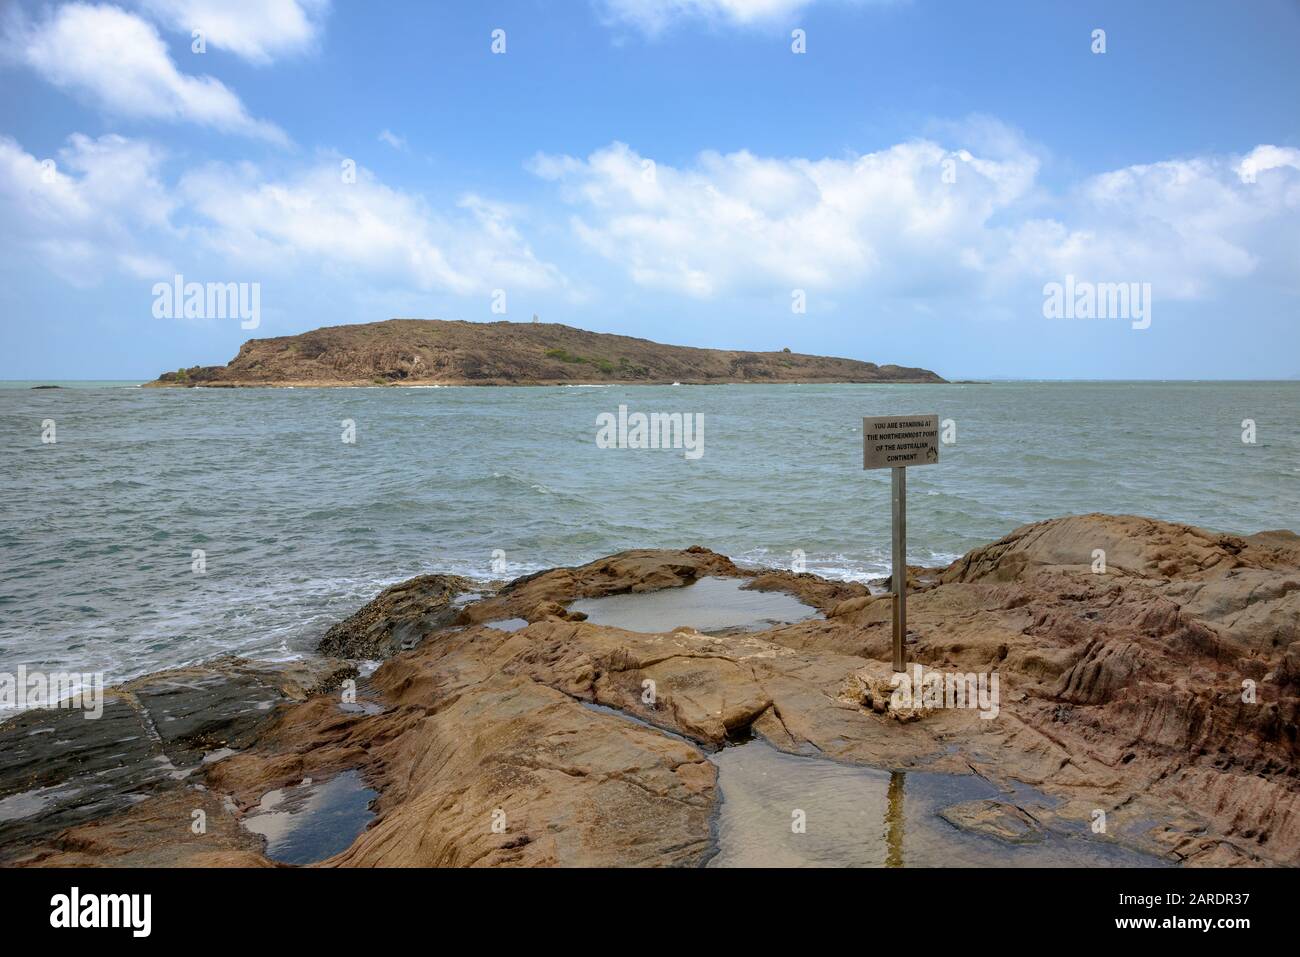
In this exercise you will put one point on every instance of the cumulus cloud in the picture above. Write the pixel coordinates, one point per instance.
(120, 63)
(364, 227)
(257, 30)
(1184, 225)
(732, 221)
(919, 219)
(102, 207)
(1267, 157)
(96, 209)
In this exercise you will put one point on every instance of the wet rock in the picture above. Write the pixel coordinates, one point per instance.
(158, 831)
(810, 589)
(59, 769)
(1162, 690)
(919, 578)
(996, 819)
(398, 619)
(516, 773)
(1142, 676)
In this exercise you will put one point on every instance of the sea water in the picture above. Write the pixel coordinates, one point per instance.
(165, 526)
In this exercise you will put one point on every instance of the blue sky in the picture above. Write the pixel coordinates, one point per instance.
(661, 168)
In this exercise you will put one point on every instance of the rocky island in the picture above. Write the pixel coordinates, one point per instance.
(444, 352)
(545, 721)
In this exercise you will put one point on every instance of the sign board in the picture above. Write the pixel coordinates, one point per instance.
(896, 441)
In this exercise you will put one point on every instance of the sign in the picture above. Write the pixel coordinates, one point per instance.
(894, 441)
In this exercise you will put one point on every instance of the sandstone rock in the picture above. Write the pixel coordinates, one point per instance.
(1006, 822)
(851, 605)
(564, 785)
(1162, 691)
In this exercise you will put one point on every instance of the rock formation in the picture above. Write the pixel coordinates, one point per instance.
(438, 352)
(1159, 689)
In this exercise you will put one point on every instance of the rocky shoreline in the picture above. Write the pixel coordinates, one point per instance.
(1161, 692)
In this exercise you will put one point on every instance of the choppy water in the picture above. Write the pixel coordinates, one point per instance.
(98, 529)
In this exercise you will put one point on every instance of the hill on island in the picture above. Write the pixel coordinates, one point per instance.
(444, 352)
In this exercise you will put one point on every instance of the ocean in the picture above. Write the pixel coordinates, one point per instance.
(101, 530)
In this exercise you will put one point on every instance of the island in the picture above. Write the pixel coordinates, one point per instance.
(455, 352)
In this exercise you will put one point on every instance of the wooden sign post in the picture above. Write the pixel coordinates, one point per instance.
(894, 442)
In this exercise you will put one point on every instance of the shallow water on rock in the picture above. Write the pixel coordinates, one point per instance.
(707, 605)
(15, 807)
(507, 624)
(312, 821)
(862, 817)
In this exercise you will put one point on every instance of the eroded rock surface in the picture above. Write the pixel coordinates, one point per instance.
(997, 819)
(398, 618)
(1160, 689)
(61, 773)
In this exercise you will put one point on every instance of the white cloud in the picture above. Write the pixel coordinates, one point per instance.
(103, 208)
(737, 221)
(392, 139)
(888, 223)
(1183, 225)
(1263, 158)
(654, 16)
(884, 225)
(314, 219)
(120, 63)
(92, 211)
(257, 30)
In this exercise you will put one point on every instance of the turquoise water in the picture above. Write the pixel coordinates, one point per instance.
(299, 529)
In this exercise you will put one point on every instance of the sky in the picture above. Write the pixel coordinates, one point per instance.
(889, 180)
